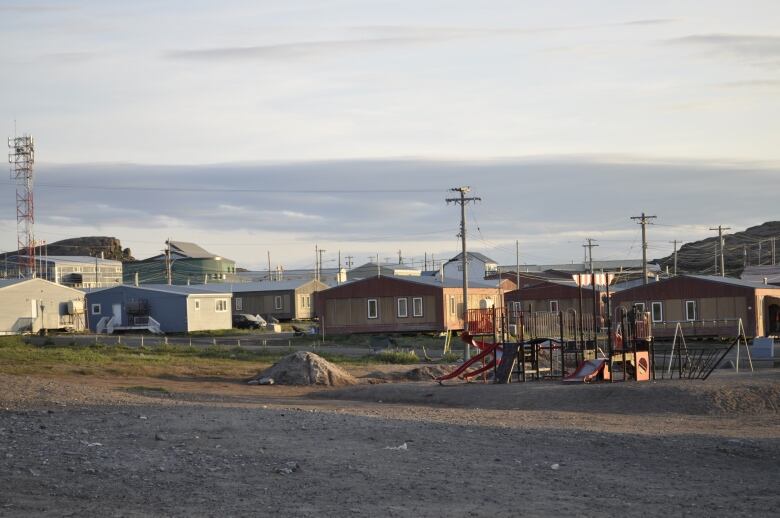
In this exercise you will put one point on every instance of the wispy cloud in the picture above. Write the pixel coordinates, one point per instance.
(293, 50)
(753, 48)
(36, 8)
(753, 84)
(377, 37)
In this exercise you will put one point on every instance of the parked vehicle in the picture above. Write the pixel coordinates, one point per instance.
(247, 321)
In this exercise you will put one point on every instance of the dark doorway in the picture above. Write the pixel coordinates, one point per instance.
(773, 320)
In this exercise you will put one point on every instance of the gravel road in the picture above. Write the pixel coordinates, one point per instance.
(65, 453)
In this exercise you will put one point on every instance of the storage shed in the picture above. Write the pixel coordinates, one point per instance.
(30, 305)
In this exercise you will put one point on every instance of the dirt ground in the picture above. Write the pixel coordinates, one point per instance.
(85, 445)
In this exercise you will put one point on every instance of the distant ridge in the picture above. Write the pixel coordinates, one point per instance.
(698, 257)
(91, 246)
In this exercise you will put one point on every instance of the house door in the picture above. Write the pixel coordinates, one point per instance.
(117, 310)
(773, 322)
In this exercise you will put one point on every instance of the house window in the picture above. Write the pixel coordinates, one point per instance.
(373, 309)
(417, 306)
(690, 310)
(306, 301)
(658, 311)
(96, 309)
(452, 305)
(239, 304)
(402, 309)
(639, 307)
(197, 304)
(554, 306)
(222, 305)
(278, 302)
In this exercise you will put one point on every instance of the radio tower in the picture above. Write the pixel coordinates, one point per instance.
(21, 157)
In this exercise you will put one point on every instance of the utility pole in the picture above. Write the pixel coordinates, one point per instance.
(675, 255)
(269, 265)
(462, 201)
(400, 258)
(643, 221)
(744, 257)
(349, 261)
(759, 252)
(590, 246)
(773, 251)
(517, 262)
(720, 230)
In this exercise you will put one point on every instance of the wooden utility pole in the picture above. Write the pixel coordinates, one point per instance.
(643, 221)
(517, 262)
(269, 265)
(590, 246)
(720, 230)
(462, 201)
(675, 256)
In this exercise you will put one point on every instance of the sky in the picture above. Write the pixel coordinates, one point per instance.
(252, 127)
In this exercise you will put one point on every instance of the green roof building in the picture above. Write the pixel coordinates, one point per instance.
(189, 264)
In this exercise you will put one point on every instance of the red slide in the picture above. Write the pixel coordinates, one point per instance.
(485, 350)
(587, 371)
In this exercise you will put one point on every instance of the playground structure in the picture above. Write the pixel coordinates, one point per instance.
(514, 345)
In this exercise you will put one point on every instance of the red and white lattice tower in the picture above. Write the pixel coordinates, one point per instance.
(21, 157)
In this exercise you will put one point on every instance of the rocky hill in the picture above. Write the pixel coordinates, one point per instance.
(91, 246)
(741, 249)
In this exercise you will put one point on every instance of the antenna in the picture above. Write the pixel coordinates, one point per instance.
(21, 156)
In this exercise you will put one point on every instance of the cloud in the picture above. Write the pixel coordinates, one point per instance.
(377, 37)
(365, 206)
(294, 50)
(754, 48)
(36, 8)
(753, 84)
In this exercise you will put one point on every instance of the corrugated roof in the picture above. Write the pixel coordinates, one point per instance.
(733, 281)
(475, 255)
(177, 289)
(244, 287)
(583, 267)
(4, 283)
(190, 250)
(430, 281)
(78, 259)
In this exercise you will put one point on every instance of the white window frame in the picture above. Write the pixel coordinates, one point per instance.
(640, 306)
(221, 305)
(196, 303)
(417, 303)
(239, 304)
(96, 309)
(688, 316)
(305, 301)
(555, 304)
(402, 303)
(660, 305)
(376, 308)
(278, 302)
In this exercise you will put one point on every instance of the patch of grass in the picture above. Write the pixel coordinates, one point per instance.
(451, 357)
(402, 357)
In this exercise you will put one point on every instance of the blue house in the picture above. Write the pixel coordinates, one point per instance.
(158, 308)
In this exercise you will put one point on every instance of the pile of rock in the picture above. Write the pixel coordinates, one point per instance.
(304, 368)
